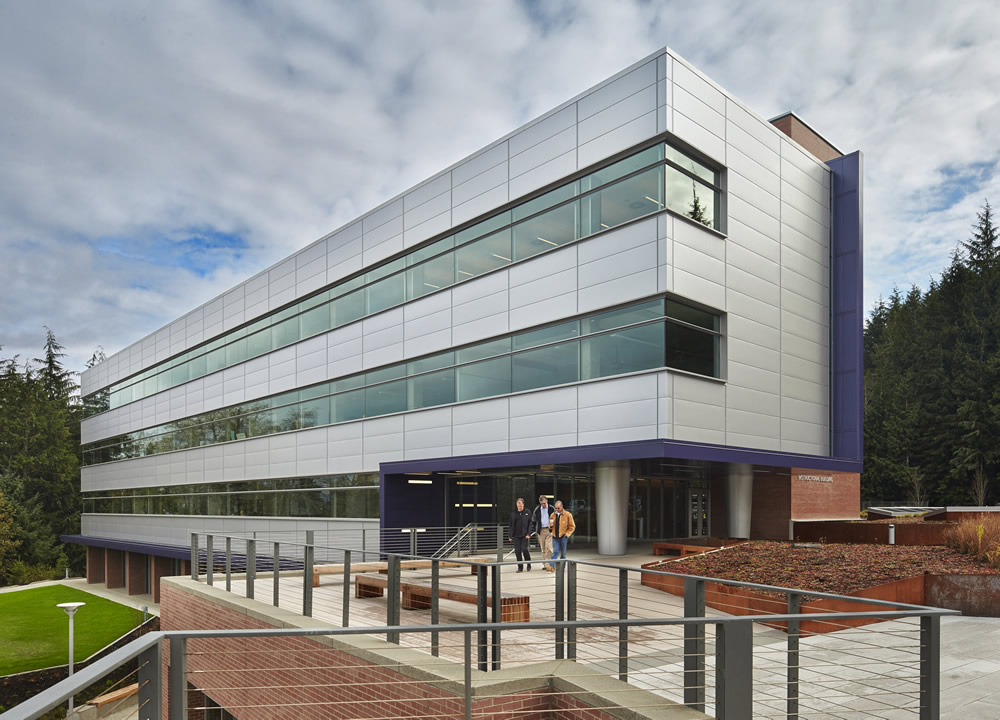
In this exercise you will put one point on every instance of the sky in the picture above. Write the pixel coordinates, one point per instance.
(153, 154)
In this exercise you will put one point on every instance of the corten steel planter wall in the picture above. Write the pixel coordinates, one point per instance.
(977, 595)
(869, 533)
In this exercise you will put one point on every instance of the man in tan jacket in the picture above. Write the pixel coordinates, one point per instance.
(562, 526)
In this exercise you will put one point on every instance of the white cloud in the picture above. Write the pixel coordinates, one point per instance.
(129, 126)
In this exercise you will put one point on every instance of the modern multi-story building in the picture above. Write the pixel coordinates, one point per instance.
(646, 303)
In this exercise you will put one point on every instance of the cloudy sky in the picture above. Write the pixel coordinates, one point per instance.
(154, 154)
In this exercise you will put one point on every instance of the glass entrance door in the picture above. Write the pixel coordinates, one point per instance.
(697, 512)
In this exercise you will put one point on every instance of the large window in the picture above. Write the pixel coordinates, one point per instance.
(631, 338)
(658, 178)
(329, 496)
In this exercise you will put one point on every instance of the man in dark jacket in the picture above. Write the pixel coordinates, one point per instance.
(519, 532)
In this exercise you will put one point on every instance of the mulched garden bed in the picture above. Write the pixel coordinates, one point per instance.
(832, 568)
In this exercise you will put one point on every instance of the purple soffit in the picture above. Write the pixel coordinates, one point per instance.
(170, 551)
(636, 450)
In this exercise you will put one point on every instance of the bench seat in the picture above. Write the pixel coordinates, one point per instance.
(417, 596)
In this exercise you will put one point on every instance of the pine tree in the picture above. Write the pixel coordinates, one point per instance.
(698, 211)
(982, 248)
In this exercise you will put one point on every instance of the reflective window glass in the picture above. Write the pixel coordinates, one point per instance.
(689, 197)
(216, 359)
(348, 406)
(544, 232)
(694, 316)
(552, 365)
(484, 379)
(315, 321)
(482, 228)
(622, 168)
(385, 398)
(348, 383)
(483, 350)
(347, 308)
(384, 270)
(629, 199)
(553, 197)
(552, 333)
(386, 293)
(199, 367)
(483, 255)
(623, 316)
(430, 276)
(315, 412)
(286, 418)
(434, 362)
(285, 333)
(388, 373)
(624, 351)
(688, 163)
(437, 388)
(236, 352)
(418, 256)
(179, 375)
(692, 350)
(259, 343)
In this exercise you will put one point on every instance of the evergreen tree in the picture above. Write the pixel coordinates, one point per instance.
(9, 541)
(983, 246)
(58, 381)
(698, 212)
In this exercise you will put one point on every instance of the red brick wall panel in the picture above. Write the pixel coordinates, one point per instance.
(95, 564)
(162, 567)
(816, 499)
(114, 569)
(770, 507)
(135, 573)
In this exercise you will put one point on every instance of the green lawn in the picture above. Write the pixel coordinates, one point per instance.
(34, 633)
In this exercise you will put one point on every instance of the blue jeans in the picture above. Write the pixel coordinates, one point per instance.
(559, 548)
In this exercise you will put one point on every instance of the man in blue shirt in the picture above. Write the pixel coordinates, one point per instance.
(540, 524)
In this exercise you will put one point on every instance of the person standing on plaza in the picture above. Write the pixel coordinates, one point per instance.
(519, 533)
(562, 526)
(540, 525)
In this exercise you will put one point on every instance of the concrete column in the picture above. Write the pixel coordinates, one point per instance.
(739, 496)
(611, 498)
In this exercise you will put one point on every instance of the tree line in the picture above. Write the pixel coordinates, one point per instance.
(39, 466)
(932, 396)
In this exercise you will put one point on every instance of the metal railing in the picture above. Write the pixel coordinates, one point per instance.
(668, 634)
(243, 670)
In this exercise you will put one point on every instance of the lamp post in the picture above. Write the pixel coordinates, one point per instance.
(71, 608)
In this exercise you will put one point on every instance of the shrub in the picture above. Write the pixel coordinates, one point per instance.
(978, 536)
(21, 573)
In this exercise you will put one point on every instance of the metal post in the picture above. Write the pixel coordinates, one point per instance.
(276, 562)
(194, 556)
(413, 542)
(496, 616)
(734, 671)
(150, 689)
(177, 679)
(71, 612)
(308, 559)
(571, 609)
(468, 675)
(499, 543)
(364, 544)
(623, 629)
(481, 591)
(560, 609)
(694, 645)
(251, 567)
(930, 667)
(794, 627)
(435, 584)
(392, 599)
(345, 621)
(210, 559)
(229, 564)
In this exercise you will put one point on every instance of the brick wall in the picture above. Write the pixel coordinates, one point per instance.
(162, 567)
(285, 678)
(135, 573)
(95, 564)
(771, 506)
(825, 495)
(114, 568)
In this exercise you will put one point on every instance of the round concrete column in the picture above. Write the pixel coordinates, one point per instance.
(611, 498)
(739, 492)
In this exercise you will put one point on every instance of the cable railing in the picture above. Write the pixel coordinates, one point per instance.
(458, 628)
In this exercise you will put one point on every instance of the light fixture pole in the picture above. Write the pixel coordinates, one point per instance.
(71, 608)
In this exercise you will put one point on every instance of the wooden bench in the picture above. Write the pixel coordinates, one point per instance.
(677, 549)
(383, 566)
(115, 696)
(417, 596)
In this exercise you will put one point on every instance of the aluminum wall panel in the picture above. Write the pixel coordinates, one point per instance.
(689, 80)
(617, 90)
(542, 175)
(618, 139)
(543, 130)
